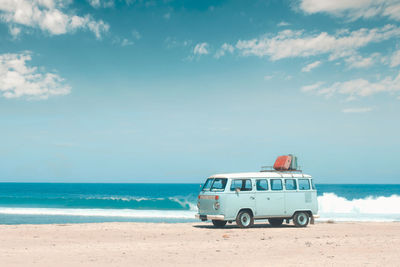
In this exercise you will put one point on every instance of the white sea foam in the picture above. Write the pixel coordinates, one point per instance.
(127, 198)
(333, 207)
(128, 213)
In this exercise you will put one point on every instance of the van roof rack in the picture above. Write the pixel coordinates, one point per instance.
(271, 169)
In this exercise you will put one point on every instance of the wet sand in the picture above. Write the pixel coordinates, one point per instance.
(199, 244)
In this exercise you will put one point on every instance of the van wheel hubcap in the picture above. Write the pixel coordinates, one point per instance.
(302, 219)
(245, 219)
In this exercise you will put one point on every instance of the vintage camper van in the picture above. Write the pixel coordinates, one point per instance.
(245, 197)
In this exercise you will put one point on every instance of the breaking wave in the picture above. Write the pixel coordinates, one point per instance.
(102, 202)
(382, 208)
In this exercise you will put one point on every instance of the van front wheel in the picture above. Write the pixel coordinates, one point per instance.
(218, 223)
(301, 219)
(244, 219)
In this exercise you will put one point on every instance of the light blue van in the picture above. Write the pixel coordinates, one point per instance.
(245, 197)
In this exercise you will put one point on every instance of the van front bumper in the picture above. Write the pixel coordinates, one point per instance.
(209, 217)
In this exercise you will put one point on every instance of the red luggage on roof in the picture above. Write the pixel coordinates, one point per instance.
(282, 163)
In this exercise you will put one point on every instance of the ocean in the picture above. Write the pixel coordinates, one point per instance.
(40, 203)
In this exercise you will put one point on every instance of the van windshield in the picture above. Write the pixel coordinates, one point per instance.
(217, 184)
(207, 185)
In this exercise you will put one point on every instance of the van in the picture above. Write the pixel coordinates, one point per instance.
(245, 197)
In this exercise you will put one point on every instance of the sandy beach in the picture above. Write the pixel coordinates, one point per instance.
(197, 244)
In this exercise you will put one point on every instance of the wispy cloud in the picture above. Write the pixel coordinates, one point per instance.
(283, 24)
(353, 9)
(201, 49)
(311, 87)
(225, 48)
(101, 3)
(126, 42)
(136, 35)
(311, 66)
(357, 61)
(14, 31)
(289, 44)
(172, 42)
(395, 59)
(356, 88)
(49, 16)
(357, 110)
(17, 79)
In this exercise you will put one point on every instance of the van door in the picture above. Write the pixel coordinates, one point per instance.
(241, 196)
(270, 202)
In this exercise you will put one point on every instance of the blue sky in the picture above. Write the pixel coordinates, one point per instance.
(174, 91)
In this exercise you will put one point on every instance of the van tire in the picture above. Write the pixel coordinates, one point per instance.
(275, 222)
(301, 219)
(245, 219)
(218, 223)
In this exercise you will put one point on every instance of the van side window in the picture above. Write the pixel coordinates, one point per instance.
(290, 184)
(242, 184)
(219, 184)
(276, 184)
(304, 184)
(262, 184)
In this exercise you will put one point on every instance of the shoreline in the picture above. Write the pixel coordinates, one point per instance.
(257, 224)
(196, 244)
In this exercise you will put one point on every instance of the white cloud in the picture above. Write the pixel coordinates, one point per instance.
(395, 59)
(312, 87)
(14, 31)
(357, 61)
(172, 42)
(50, 16)
(268, 77)
(357, 110)
(311, 66)
(17, 79)
(224, 48)
(136, 34)
(126, 42)
(356, 88)
(101, 3)
(354, 9)
(95, 3)
(283, 24)
(201, 49)
(288, 43)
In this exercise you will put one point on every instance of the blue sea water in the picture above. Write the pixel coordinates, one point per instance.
(38, 203)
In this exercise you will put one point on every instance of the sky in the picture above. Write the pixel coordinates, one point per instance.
(175, 90)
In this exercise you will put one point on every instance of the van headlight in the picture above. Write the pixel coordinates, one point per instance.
(216, 205)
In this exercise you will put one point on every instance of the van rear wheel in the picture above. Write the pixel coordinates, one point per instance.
(244, 219)
(275, 222)
(301, 219)
(218, 223)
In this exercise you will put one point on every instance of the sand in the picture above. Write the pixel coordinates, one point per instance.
(199, 244)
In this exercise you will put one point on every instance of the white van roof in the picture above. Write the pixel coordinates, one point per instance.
(269, 174)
